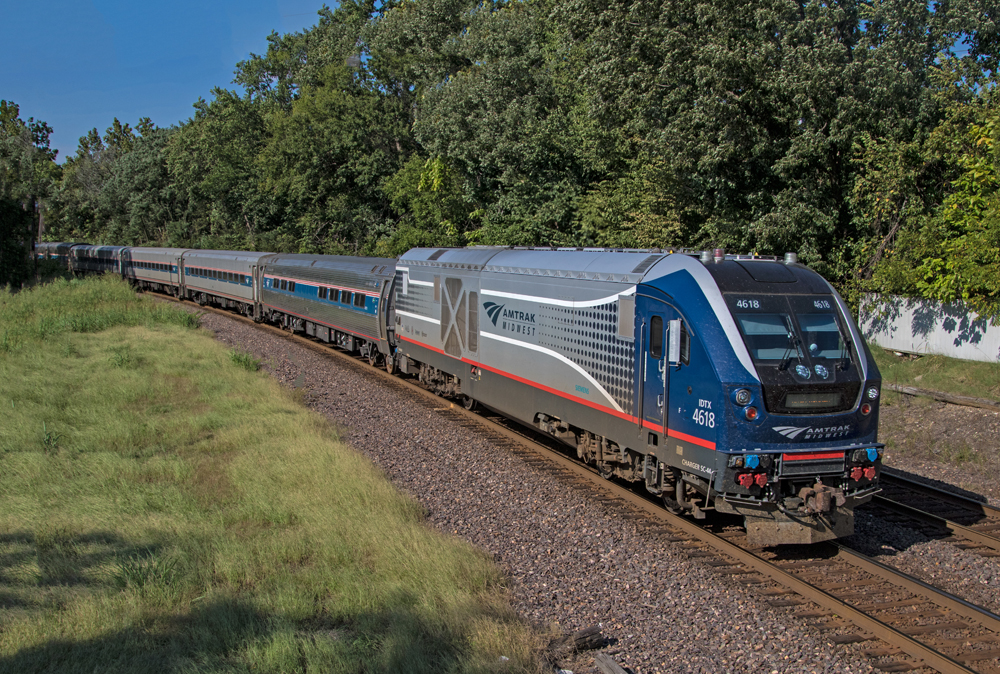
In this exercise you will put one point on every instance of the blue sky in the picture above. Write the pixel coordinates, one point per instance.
(79, 64)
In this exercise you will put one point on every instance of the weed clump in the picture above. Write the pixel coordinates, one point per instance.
(244, 359)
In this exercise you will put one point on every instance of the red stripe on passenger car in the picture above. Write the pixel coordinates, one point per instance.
(812, 455)
(316, 320)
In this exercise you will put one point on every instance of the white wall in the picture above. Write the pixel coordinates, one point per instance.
(923, 326)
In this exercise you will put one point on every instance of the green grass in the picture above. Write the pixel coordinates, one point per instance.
(940, 373)
(163, 506)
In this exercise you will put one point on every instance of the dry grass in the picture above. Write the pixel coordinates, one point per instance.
(165, 507)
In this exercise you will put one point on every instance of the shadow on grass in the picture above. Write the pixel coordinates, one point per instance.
(203, 640)
(63, 558)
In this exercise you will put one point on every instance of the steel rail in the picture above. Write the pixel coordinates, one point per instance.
(980, 538)
(944, 495)
(912, 647)
(962, 531)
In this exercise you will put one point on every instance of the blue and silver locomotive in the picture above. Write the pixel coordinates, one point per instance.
(730, 383)
(720, 382)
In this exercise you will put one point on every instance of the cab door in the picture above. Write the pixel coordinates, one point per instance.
(660, 353)
(652, 319)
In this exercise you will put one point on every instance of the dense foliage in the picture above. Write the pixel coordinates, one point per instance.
(858, 133)
(27, 172)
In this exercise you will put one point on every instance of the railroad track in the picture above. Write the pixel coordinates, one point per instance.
(904, 623)
(963, 521)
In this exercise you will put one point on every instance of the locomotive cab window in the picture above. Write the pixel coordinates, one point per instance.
(656, 337)
(685, 344)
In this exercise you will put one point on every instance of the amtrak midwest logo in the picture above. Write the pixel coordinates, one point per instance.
(810, 433)
(493, 310)
(518, 322)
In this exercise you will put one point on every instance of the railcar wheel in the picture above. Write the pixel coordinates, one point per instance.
(468, 402)
(671, 506)
(372, 356)
(390, 364)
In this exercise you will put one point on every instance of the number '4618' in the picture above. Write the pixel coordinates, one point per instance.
(704, 418)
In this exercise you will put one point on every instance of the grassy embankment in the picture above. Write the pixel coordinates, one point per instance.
(163, 506)
(920, 428)
(940, 373)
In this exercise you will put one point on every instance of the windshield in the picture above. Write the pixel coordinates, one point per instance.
(801, 334)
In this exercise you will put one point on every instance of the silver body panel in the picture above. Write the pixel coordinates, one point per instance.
(365, 277)
(539, 316)
(153, 265)
(222, 273)
(95, 259)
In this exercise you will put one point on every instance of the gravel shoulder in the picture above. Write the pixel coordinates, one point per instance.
(944, 443)
(571, 564)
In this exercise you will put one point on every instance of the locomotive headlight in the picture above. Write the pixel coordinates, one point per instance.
(803, 371)
(743, 397)
(873, 393)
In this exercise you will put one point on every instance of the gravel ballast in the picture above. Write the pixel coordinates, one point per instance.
(571, 563)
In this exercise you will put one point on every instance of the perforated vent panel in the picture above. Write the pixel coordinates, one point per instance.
(589, 338)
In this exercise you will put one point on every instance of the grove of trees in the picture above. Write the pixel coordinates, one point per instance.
(859, 133)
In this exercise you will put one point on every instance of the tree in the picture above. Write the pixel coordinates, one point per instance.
(212, 162)
(27, 170)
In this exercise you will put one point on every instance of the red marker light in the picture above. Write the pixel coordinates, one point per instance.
(750, 413)
(866, 409)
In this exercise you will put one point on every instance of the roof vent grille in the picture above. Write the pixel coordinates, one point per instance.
(438, 253)
(646, 264)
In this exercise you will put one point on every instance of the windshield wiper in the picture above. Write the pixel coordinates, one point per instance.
(793, 343)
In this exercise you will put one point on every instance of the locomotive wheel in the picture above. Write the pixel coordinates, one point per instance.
(672, 506)
(468, 402)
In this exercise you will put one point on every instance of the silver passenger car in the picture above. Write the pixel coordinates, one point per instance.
(334, 298)
(154, 268)
(222, 277)
(85, 259)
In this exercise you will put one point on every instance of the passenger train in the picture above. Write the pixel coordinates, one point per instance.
(732, 383)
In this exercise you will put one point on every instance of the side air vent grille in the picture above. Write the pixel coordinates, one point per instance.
(646, 264)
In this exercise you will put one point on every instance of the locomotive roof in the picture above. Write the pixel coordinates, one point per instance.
(595, 263)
